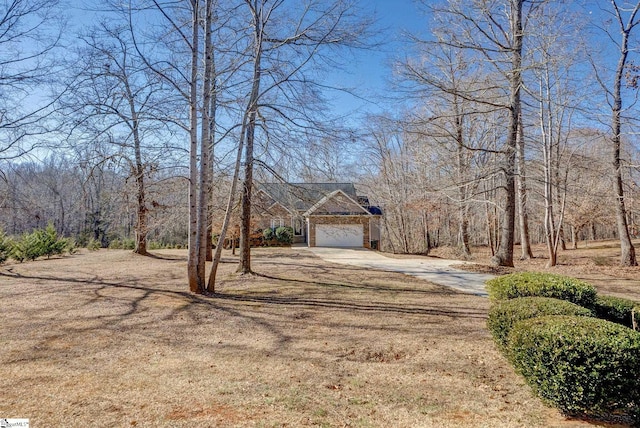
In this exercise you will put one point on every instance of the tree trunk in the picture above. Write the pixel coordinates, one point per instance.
(464, 231)
(525, 240)
(141, 222)
(205, 163)
(195, 281)
(504, 255)
(628, 253)
(213, 108)
(574, 237)
(227, 216)
(138, 171)
(463, 168)
(549, 223)
(427, 237)
(244, 266)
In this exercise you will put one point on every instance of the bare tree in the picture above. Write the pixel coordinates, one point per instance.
(286, 40)
(30, 34)
(448, 120)
(493, 33)
(553, 59)
(625, 17)
(115, 96)
(183, 36)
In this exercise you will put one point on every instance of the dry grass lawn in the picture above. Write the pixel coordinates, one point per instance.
(111, 339)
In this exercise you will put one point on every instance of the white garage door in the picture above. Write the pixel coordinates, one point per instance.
(339, 235)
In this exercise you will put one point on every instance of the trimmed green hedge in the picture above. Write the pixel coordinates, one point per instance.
(542, 285)
(582, 365)
(504, 314)
(615, 309)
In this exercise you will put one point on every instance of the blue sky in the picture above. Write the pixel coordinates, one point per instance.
(369, 70)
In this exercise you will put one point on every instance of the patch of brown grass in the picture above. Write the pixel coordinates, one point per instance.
(113, 339)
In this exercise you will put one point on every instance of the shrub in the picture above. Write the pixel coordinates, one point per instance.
(122, 244)
(615, 309)
(72, 246)
(17, 252)
(582, 365)
(504, 314)
(268, 234)
(93, 245)
(542, 285)
(284, 234)
(26, 248)
(155, 245)
(48, 243)
(128, 244)
(39, 243)
(5, 246)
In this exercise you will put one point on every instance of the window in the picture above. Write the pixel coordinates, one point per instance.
(276, 223)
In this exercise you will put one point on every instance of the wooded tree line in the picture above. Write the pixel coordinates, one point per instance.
(521, 126)
(240, 80)
(154, 121)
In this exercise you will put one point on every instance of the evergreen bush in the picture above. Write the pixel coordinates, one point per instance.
(582, 365)
(284, 234)
(268, 234)
(40, 243)
(542, 285)
(122, 244)
(504, 314)
(27, 248)
(48, 243)
(93, 245)
(6, 245)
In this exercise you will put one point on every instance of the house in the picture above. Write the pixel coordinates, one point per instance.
(321, 214)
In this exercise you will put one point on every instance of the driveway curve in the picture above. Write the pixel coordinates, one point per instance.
(438, 271)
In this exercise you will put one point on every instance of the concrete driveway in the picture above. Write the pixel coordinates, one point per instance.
(431, 269)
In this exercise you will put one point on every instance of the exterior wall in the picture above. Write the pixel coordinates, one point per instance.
(375, 228)
(375, 232)
(262, 219)
(340, 219)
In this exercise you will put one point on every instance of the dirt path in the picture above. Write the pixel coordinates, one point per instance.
(436, 270)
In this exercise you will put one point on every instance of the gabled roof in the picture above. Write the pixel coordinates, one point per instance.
(332, 195)
(302, 196)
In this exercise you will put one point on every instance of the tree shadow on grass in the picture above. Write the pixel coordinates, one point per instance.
(172, 257)
(363, 286)
(299, 301)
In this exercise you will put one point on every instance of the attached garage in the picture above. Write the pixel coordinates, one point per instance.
(339, 235)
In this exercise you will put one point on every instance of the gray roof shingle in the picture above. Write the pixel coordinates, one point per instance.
(303, 196)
